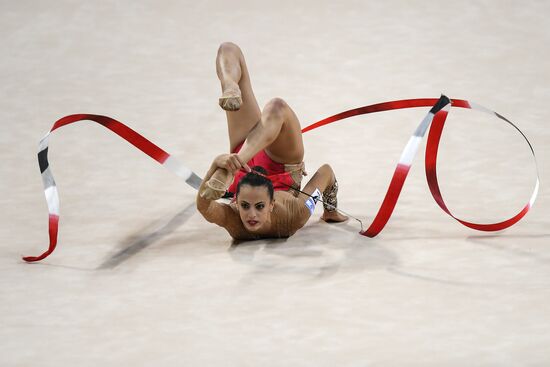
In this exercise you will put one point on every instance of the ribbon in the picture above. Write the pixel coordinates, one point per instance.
(436, 117)
(132, 137)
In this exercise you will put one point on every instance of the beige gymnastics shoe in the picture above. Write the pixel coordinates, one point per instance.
(216, 186)
(231, 100)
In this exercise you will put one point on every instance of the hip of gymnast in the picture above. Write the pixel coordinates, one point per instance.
(268, 141)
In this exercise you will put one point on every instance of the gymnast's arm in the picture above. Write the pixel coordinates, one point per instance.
(323, 178)
(214, 212)
(274, 115)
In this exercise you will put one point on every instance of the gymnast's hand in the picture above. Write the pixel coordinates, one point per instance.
(231, 162)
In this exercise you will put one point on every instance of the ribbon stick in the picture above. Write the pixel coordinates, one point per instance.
(434, 121)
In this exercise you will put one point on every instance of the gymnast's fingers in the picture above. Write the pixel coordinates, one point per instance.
(243, 164)
(236, 162)
(231, 166)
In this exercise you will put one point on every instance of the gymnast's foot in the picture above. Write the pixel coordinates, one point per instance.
(231, 99)
(333, 217)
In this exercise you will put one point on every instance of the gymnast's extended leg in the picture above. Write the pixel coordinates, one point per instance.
(275, 129)
(242, 110)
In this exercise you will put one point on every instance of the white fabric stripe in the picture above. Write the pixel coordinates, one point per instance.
(43, 142)
(410, 150)
(478, 107)
(535, 193)
(421, 129)
(414, 142)
(179, 169)
(47, 178)
(52, 198)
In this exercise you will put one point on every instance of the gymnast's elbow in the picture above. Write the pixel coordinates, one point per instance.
(206, 213)
(203, 206)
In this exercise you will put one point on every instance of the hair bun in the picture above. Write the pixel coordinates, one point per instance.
(257, 177)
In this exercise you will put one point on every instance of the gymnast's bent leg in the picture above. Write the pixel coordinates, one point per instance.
(325, 180)
(278, 132)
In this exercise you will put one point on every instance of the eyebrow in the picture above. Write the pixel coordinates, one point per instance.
(246, 202)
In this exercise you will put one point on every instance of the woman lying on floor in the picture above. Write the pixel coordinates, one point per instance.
(265, 205)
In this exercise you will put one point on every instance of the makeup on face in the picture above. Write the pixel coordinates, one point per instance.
(254, 206)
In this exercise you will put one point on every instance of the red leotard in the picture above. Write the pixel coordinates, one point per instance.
(275, 171)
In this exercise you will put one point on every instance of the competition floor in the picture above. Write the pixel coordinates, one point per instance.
(139, 278)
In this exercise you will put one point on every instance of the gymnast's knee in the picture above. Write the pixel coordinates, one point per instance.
(327, 169)
(275, 107)
(229, 47)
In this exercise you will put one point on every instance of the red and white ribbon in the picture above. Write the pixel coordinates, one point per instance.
(132, 137)
(436, 118)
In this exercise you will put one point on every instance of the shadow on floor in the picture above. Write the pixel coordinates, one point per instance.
(141, 241)
(317, 251)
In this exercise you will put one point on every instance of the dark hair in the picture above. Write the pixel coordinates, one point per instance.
(255, 180)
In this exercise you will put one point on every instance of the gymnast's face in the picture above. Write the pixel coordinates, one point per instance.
(255, 207)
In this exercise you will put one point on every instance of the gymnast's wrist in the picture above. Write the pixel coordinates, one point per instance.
(245, 158)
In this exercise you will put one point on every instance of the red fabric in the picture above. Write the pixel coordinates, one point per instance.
(121, 130)
(53, 224)
(275, 171)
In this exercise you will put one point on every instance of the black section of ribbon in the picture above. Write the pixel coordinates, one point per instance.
(43, 160)
(441, 102)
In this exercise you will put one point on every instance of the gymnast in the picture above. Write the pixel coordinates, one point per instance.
(265, 165)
